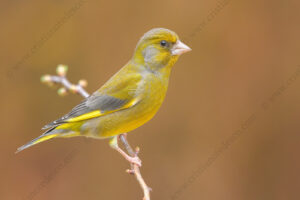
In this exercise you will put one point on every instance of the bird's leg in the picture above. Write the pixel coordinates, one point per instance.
(113, 142)
(123, 138)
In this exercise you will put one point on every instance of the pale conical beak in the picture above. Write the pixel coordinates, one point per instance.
(180, 48)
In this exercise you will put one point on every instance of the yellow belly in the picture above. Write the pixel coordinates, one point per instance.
(134, 117)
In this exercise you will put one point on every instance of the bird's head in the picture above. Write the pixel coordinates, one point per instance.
(159, 48)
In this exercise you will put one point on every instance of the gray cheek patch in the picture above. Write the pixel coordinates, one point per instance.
(149, 54)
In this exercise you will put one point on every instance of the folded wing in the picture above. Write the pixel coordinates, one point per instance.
(120, 95)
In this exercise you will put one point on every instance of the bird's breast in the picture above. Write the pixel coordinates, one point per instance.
(151, 92)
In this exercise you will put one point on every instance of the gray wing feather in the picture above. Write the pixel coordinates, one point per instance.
(94, 102)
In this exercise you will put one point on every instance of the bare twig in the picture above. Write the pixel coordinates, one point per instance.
(79, 89)
(135, 168)
(67, 85)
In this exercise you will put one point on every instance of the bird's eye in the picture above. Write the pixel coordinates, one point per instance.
(163, 43)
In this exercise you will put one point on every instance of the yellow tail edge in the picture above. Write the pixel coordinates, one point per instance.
(37, 140)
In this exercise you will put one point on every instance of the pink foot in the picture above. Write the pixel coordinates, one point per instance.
(134, 160)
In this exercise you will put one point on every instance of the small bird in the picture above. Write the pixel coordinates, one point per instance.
(128, 99)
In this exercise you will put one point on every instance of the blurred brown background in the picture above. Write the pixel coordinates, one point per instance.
(229, 128)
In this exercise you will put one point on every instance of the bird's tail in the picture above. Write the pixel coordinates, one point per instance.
(37, 140)
(64, 131)
(51, 133)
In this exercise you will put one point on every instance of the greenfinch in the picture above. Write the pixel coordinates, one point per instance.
(128, 99)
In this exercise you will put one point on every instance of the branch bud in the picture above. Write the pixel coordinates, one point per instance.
(129, 171)
(83, 83)
(46, 79)
(137, 150)
(62, 70)
(73, 88)
(62, 91)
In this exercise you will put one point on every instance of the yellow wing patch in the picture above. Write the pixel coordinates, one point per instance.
(86, 116)
(98, 113)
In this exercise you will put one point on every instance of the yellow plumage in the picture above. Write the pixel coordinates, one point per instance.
(130, 98)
